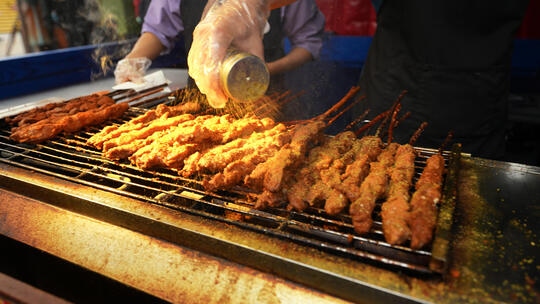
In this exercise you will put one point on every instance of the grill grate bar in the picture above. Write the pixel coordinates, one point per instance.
(150, 180)
(69, 155)
(84, 164)
(227, 206)
(344, 222)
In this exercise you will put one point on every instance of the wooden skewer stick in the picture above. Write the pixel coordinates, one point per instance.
(334, 108)
(144, 95)
(446, 141)
(402, 118)
(393, 123)
(274, 97)
(278, 103)
(417, 133)
(280, 96)
(371, 123)
(333, 119)
(131, 92)
(115, 92)
(357, 120)
(392, 109)
(290, 98)
(174, 93)
(340, 103)
(383, 123)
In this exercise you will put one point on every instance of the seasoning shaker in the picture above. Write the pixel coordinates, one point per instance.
(244, 77)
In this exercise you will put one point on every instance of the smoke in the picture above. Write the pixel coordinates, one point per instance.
(107, 30)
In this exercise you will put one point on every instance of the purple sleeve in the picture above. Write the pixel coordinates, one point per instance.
(163, 20)
(303, 24)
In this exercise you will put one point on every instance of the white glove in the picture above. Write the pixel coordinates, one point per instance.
(131, 69)
(238, 23)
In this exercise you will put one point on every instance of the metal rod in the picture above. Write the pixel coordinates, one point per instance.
(149, 180)
(142, 96)
(227, 207)
(131, 92)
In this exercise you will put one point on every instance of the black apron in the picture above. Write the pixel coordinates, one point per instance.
(191, 12)
(454, 59)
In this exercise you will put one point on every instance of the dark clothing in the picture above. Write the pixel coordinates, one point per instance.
(454, 59)
(191, 12)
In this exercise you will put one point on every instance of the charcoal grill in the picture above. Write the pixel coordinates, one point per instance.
(69, 158)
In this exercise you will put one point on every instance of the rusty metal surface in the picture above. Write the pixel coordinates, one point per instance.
(166, 270)
(466, 282)
(496, 243)
(329, 273)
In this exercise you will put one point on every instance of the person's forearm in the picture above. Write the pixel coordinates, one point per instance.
(148, 45)
(294, 59)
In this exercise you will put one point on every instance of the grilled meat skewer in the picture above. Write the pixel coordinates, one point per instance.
(218, 157)
(373, 187)
(423, 215)
(57, 110)
(279, 167)
(129, 143)
(48, 128)
(322, 170)
(369, 149)
(110, 132)
(257, 152)
(395, 210)
(170, 150)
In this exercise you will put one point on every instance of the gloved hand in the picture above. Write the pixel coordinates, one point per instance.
(131, 69)
(238, 23)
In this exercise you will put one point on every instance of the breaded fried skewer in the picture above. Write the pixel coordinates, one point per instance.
(423, 215)
(236, 170)
(171, 150)
(314, 180)
(193, 131)
(110, 132)
(373, 187)
(279, 169)
(369, 147)
(128, 143)
(395, 209)
(363, 153)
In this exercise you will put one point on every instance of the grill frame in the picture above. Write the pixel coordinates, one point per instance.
(222, 201)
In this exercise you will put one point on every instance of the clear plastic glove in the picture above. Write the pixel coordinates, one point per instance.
(131, 69)
(238, 23)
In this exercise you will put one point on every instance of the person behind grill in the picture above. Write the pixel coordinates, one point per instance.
(302, 22)
(453, 57)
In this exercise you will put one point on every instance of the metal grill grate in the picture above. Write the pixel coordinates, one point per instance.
(69, 158)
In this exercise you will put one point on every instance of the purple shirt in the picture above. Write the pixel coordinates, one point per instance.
(302, 23)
